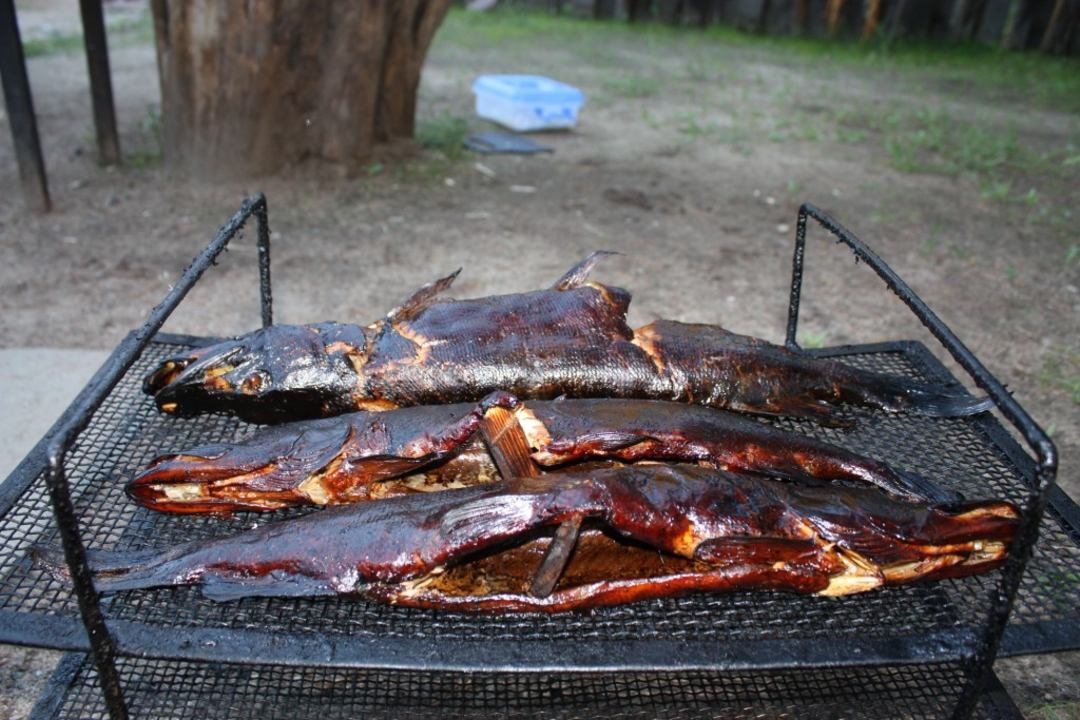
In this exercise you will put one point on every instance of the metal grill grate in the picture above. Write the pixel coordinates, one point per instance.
(182, 690)
(127, 431)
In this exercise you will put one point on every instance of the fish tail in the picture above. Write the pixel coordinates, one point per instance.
(926, 490)
(899, 394)
(116, 570)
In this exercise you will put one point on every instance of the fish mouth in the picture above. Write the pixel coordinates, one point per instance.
(164, 375)
(178, 381)
(192, 484)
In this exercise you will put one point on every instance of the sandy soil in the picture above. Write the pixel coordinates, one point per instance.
(679, 179)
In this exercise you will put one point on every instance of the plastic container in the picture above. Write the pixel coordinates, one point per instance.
(527, 102)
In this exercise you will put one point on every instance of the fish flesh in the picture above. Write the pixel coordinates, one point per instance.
(648, 530)
(569, 340)
(371, 455)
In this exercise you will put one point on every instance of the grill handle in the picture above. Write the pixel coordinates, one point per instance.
(90, 399)
(1034, 435)
(1003, 593)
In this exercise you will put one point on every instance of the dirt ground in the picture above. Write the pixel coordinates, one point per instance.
(691, 159)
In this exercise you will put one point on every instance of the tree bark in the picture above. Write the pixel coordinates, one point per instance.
(249, 88)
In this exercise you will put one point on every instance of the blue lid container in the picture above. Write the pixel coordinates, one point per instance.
(527, 102)
(528, 88)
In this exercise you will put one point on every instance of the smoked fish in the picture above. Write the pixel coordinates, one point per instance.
(370, 455)
(647, 531)
(569, 340)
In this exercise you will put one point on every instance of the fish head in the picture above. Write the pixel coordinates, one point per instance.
(277, 373)
(263, 472)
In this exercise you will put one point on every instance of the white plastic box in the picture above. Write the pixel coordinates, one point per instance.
(527, 102)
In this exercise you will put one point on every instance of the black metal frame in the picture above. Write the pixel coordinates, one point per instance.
(68, 694)
(1003, 596)
(102, 642)
(236, 646)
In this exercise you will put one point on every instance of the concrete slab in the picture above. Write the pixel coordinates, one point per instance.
(36, 385)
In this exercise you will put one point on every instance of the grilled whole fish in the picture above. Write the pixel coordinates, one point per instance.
(571, 339)
(651, 530)
(357, 456)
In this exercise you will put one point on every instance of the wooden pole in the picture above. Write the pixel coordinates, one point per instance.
(20, 110)
(834, 10)
(97, 62)
(871, 18)
(800, 15)
(1058, 29)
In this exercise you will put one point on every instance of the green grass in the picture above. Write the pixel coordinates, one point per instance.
(121, 33)
(443, 133)
(1063, 373)
(812, 340)
(1054, 711)
(632, 86)
(1025, 78)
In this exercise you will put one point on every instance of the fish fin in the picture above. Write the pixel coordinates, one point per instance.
(926, 490)
(491, 517)
(557, 557)
(507, 444)
(896, 393)
(577, 275)
(615, 440)
(224, 589)
(932, 402)
(421, 299)
(117, 570)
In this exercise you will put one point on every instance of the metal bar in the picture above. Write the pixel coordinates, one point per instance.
(102, 642)
(1002, 598)
(20, 110)
(97, 63)
(265, 297)
(1037, 439)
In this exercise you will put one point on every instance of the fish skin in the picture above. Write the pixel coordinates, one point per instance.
(571, 340)
(753, 531)
(344, 459)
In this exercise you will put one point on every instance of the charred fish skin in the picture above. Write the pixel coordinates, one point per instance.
(349, 458)
(737, 532)
(272, 375)
(569, 340)
(333, 460)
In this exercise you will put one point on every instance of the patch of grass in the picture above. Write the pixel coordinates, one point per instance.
(54, 44)
(1055, 711)
(1063, 373)
(632, 86)
(813, 339)
(1023, 78)
(120, 33)
(933, 141)
(147, 152)
(443, 133)
(693, 125)
(996, 190)
(849, 136)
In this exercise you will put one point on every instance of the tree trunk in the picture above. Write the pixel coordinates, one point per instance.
(249, 88)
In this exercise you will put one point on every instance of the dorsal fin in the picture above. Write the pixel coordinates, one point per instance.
(422, 298)
(577, 275)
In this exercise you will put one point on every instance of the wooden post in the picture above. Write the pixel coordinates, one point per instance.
(834, 13)
(97, 63)
(20, 110)
(1059, 29)
(871, 18)
(800, 16)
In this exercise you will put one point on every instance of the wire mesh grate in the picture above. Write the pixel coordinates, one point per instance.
(180, 689)
(127, 431)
